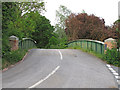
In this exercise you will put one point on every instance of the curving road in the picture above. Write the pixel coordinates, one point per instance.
(63, 68)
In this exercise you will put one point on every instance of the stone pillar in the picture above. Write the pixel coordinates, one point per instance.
(13, 42)
(110, 43)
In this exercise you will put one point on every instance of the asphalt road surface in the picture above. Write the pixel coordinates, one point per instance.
(59, 68)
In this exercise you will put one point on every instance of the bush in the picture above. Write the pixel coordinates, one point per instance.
(112, 57)
(12, 57)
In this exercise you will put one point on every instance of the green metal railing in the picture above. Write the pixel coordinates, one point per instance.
(93, 45)
(27, 43)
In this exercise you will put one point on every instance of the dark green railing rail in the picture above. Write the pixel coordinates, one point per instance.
(93, 45)
(27, 43)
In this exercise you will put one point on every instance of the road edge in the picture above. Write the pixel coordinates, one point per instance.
(115, 74)
(5, 69)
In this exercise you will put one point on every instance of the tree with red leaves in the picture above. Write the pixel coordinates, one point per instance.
(84, 26)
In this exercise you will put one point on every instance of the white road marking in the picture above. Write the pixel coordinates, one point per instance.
(118, 80)
(116, 74)
(61, 57)
(111, 69)
(117, 77)
(108, 65)
(45, 77)
(42, 49)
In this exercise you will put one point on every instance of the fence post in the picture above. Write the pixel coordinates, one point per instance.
(91, 45)
(87, 44)
(81, 43)
(95, 47)
(101, 49)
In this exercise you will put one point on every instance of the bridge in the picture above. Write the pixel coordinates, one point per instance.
(61, 68)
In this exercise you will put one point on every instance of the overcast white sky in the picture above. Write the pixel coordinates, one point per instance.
(107, 9)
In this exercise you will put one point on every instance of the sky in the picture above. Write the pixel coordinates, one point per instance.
(106, 9)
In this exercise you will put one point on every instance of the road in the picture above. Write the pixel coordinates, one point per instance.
(59, 68)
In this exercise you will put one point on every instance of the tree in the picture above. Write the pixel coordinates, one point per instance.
(13, 23)
(61, 15)
(72, 27)
(84, 26)
(116, 27)
(43, 30)
(34, 6)
(10, 12)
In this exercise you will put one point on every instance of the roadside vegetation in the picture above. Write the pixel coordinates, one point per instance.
(112, 57)
(33, 24)
(13, 57)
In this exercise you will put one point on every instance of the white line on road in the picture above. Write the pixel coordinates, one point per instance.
(110, 69)
(45, 77)
(116, 74)
(113, 71)
(117, 77)
(61, 57)
(108, 65)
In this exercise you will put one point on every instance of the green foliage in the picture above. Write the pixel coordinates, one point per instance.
(62, 43)
(112, 57)
(13, 23)
(43, 30)
(5, 45)
(38, 6)
(61, 15)
(12, 57)
(10, 12)
(52, 42)
(117, 27)
(58, 43)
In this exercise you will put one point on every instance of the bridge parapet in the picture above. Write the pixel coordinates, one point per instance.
(25, 43)
(89, 44)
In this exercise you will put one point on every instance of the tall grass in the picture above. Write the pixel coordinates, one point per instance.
(12, 57)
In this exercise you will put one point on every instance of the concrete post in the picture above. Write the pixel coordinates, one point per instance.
(13, 42)
(110, 43)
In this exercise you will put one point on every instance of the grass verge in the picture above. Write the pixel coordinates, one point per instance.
(10, 58)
